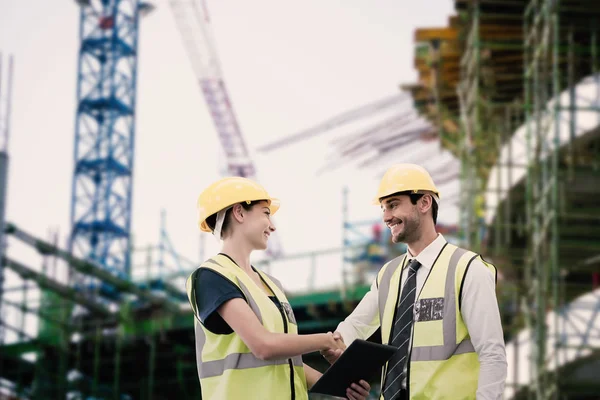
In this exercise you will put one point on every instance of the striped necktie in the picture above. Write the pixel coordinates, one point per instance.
(401, 331)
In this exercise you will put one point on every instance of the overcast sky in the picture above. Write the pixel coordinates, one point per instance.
(287, 65)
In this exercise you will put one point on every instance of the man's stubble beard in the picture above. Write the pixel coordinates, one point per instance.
(411, 232)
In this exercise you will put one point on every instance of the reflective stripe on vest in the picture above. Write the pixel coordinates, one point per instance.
(384, 285)
(226, 357)
(209, 369)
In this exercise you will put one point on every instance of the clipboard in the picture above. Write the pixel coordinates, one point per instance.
(360, 360)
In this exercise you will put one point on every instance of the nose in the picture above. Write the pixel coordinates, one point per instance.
(387, 216)
(272, 227)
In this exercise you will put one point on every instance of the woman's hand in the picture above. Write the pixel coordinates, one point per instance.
(332, 344)
(332, 354)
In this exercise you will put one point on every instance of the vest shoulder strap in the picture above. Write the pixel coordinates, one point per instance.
(271, 279)
(217, 264)
(383, 281)
(389, 268)
(475, 257)
(221, 265)
(491, 267)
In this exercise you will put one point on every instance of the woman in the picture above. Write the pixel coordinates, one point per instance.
(247, 342)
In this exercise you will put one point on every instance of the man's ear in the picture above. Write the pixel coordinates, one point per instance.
(425, 203)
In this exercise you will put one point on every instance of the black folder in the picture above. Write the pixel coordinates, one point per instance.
(361, 360)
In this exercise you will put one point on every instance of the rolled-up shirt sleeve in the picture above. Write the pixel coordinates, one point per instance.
(364, 320)
(479, 308)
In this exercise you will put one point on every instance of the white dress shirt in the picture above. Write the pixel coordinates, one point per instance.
(480, 313)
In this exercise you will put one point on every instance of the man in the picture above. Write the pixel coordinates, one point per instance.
(436, 303)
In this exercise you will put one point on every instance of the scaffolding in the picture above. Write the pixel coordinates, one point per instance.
(541, 65)
(488, 87)
(525, 122)
(560, 48)
(142, 348)
(470, 108)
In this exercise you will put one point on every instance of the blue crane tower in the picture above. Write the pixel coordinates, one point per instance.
(104, 135)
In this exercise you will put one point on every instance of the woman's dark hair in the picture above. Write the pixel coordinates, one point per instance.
(212, 220)
(414, 197)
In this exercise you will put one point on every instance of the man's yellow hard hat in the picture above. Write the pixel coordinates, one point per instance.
(227, 192)
(405, 177)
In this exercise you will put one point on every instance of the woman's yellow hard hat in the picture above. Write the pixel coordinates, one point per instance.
(227, 192)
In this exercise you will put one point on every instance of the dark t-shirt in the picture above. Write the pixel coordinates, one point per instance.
(212, 291)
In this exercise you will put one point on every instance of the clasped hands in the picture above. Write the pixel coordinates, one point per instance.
(335, 349)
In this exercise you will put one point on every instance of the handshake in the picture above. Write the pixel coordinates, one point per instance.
(333, 347)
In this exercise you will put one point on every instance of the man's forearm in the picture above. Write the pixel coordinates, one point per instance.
(364, 320)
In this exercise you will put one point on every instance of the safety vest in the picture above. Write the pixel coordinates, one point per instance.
(226, 367)
(442, 361)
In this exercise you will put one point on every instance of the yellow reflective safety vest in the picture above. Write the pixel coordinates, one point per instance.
(226, 367)
(442, 361)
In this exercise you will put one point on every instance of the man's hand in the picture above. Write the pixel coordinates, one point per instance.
(358, 391)
(331, 355)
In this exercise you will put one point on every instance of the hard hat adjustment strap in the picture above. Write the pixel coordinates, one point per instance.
(219, 223)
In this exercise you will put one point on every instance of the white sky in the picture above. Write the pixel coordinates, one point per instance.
(287, 65)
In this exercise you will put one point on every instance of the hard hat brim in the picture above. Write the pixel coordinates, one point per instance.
(436, 196)
(274, 205)
(204, 227)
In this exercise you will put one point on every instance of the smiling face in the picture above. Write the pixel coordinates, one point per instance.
(402, 218)
(257, 225)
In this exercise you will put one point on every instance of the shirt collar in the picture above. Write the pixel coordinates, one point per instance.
(429, 254)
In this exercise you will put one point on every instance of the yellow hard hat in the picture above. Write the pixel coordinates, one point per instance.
(405, 177)
(227, 192)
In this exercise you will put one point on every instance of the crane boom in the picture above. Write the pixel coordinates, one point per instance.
(338, 121)
(193, 22)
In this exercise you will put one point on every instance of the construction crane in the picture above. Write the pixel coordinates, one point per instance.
(104, 135)
(193, 22)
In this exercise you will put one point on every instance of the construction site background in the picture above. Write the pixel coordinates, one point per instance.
(508, 92)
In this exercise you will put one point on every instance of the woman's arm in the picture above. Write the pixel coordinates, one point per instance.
(312, 375)
(267, 345)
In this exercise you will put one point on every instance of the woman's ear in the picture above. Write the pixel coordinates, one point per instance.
(238, 213)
